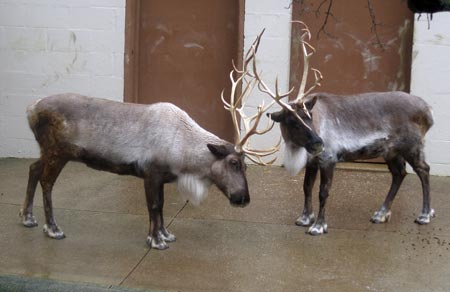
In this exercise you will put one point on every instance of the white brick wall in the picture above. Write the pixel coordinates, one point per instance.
(430, 79)
(273, 55)
(54, 46)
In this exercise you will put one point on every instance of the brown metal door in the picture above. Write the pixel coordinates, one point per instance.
(182, 54)
(347, 51)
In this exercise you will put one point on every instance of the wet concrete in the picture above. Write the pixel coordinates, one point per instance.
(221, 248)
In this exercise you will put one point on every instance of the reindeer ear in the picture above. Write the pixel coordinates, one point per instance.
(220, 151)
(276, 116)
(310, 103)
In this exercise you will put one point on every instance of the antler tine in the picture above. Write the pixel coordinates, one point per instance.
(318, 78)
(236, 105)
(259, 161)
(231, 106)
(251, 53)
(277, 96)
(308, 51)
(252, 129)
(255, 155)
(265, 152)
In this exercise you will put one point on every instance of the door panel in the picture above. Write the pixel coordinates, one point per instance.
(347, 52)
(183, 55)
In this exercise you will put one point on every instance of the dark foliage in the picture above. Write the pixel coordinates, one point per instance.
(428, 6)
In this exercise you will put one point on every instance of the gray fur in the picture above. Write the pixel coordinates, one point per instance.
(157, 142)
(391, 125)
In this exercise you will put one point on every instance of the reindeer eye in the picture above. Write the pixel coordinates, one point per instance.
(234, 163)
(294, 123)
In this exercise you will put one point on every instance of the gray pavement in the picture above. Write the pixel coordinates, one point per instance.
(221, 248)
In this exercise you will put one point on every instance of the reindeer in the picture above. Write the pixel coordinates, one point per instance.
(159, 143)
(322, 129)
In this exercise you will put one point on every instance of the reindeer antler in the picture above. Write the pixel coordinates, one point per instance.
(237, 104)
(304, 38)
(308, 51)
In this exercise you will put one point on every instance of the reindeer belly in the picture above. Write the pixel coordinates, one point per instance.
(346, 146)
(373, 150)
(98, 162)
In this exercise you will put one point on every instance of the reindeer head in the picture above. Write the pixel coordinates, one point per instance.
(296, 126)
(228, 173)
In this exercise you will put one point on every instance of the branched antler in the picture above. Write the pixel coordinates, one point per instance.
(308, 51)
(236, 107)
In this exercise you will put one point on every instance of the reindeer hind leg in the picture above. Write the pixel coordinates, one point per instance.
(398, 171)
(51, 169)
(35, 173)
(417, 162)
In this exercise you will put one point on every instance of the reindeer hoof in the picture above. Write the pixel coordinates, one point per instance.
(381, 216)
(28, 220)
(305, 220)
(157, 243)
(425, 218)
(54, 232)
(318, 229)
(166, 235)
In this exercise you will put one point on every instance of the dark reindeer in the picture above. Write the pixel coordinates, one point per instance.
(322, 129)
(159, 143)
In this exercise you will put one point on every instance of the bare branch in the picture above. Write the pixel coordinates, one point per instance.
(327, 15)
(374, 24)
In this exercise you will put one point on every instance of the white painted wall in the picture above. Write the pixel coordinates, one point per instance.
(430, 79)
(55, 46)
(273, 58)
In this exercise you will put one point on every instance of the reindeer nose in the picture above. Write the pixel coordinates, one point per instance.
(315, 147)
(238, 200)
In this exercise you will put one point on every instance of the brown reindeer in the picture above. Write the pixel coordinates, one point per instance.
(322, 129)
(159, 143)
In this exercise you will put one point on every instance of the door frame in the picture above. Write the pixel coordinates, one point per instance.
(131, 56)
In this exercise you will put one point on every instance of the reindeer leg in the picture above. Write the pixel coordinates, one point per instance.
(163, 232)
(326, 178)
(154, 193)
(423, 171)
(51, 169)
(307, 216)
(28, 220)
(398, 171)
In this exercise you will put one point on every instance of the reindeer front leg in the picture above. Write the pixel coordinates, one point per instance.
(163, 232)
(307, 216)
(154, 193)
(326, 178)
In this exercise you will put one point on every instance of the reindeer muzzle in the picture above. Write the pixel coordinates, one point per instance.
(239, 200)
(315, 147)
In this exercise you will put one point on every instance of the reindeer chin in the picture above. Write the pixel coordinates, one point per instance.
(295, 159)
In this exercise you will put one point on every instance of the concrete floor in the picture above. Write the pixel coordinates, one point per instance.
(220, 248)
